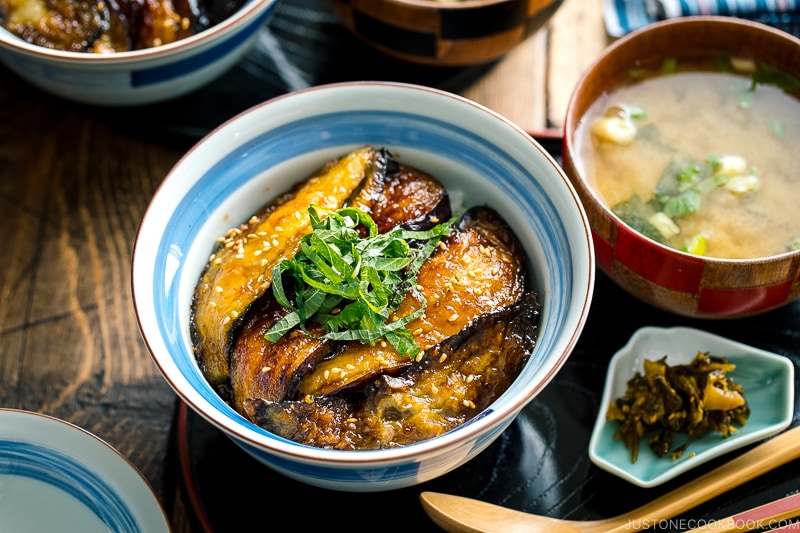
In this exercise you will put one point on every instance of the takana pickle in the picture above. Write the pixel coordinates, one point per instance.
(690, 399)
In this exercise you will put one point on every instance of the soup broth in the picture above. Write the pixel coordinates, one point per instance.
(701, 156)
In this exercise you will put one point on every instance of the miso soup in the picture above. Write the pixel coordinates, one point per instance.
(701, 156)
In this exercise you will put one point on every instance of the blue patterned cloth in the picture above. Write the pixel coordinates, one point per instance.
(623, 16)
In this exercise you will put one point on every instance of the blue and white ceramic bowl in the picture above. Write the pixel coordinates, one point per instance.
(55, 476)
(234, 170)
(139, 76)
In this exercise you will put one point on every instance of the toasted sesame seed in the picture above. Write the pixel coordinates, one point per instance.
(441, 245)
(326, 374)
(226, 320)
(470, 378)
(219, 289)
(212, 304)
(453, 317)
(350, 366)
(417, 331)
(434, 389)
(276, 242)
(443, 358)
(266, 369)
(352, 420)
(257, 252)
(218, 261)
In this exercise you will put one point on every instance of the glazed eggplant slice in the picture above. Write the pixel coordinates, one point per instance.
(479, 267)
(272, 370)
(240, 269)
(412, 200)
(454, 382)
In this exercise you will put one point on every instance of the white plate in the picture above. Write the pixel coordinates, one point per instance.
(55, 476)
(767, 379)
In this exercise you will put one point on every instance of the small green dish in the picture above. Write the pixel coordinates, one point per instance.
(767, 379)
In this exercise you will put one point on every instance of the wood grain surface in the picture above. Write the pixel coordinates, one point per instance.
(73, 188)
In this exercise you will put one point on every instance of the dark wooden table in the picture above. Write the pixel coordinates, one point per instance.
(75, 181)
(74, 185)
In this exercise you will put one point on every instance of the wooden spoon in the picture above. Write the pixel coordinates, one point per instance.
(458, 514)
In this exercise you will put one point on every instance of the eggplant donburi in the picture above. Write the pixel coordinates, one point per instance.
(358, 311)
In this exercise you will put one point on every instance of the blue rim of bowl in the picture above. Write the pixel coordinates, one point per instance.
(56, 467)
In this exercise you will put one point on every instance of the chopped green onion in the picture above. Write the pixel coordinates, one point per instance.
(777, 128)
(746, 98)
(635, 213)
(664, 224)
(617, 130)
(635, 112)
(743, 185)
(697, 245)
(731, 165)
(669, 65)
